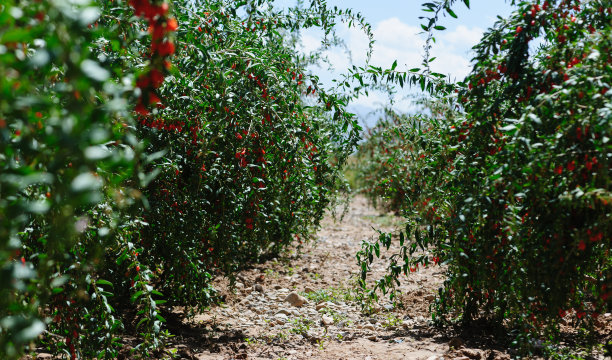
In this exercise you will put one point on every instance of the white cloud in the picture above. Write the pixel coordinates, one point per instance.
(454, 65)
(395, 40)
(309, 43)
(462, 37)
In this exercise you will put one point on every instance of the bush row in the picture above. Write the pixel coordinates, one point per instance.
(507, 181)
(147, 147)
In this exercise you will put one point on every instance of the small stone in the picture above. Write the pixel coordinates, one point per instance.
(461, 358)
(283, 311)
(369, 327)
(204, 356)
(372, 338)
(472, 354)
(327, 320)
(239, 286)
(372, 321)
(435, 357)
(295, 300)
(281, 319)
(322, 305)
(277, 287)
(455, 343)
(308, 290)
(497, 355)
(430, 297)
(312, 336)
(258, 288)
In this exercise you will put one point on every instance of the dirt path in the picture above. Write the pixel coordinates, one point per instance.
(257, 322)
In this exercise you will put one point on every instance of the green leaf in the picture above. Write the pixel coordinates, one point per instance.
(104, 282)
(136, 295)
(17, 35)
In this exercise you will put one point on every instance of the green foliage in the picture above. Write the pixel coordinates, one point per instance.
(252, 150)
(67, 166)
(127, 182)
(507, 183)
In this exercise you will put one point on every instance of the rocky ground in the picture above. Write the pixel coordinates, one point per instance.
(305, 307)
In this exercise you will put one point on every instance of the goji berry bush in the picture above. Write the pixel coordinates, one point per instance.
(249, 165)
(146, 148)
(506, 182)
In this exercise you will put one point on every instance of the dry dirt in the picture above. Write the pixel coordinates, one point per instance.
(324, 320)
(256, 322)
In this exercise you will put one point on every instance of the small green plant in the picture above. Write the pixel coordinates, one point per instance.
(331, 294)
(391, 321)
(282, 335)
(336, 316)
(321, 344)
(314, 276)
(291, 270)
(271, 274)
(300, 325)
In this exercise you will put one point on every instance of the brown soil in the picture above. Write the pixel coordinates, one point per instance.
(256, 323)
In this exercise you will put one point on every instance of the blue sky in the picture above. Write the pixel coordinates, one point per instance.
(397, 32)
(481, 13)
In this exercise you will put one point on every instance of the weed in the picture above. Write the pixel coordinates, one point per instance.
(337, 316)
(282, 335)
(271, 274)
(332, 294)
(300, 325)
(392, 321)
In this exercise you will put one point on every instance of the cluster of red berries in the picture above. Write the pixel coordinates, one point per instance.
(160, 25)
